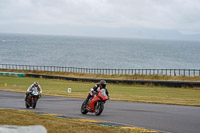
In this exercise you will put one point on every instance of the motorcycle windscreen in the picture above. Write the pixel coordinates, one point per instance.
(35, 91)
(103, 92)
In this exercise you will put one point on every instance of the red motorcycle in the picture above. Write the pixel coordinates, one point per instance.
(95, 103)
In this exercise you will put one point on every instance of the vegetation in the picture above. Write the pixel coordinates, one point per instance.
(133, 93)
(54, 124)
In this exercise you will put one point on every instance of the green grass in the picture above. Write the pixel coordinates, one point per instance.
(133, 93)
(54, 124)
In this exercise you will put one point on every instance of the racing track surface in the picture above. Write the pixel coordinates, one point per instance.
(167, 118)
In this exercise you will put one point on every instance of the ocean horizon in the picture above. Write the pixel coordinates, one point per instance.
(98, 52)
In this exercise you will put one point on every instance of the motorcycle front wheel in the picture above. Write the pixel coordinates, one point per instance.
(34, 102)
(99, 108)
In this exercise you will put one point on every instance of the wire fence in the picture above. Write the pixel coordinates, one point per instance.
(169, 72)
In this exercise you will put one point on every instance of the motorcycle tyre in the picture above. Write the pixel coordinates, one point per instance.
(27, 105)
(100, 110)
(34, 103)
(83, 109)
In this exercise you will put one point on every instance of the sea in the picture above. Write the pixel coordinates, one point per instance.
(98, 52)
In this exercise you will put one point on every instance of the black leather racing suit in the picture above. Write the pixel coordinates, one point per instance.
(94, 89)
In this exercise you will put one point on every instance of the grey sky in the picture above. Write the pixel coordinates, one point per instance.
(120, 18)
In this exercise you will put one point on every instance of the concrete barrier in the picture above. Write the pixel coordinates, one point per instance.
(22, 129)
(118, 81)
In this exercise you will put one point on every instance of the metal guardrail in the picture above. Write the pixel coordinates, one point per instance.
(170, 72)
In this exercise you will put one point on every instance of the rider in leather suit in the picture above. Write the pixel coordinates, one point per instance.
(100, 85)
(29, 90)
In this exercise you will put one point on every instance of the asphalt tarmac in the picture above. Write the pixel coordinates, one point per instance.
(166, 118)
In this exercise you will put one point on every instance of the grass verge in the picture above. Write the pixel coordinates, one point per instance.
(133, 93)
(54, 124)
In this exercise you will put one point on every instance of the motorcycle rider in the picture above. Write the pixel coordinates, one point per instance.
(30, 89)
(99, 86)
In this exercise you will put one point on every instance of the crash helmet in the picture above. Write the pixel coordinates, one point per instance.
(102, 83)
(35, 84)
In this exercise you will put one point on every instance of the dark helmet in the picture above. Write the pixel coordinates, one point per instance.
(35, 83)
(103, 83)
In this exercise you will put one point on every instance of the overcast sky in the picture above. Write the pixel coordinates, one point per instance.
(111, 18)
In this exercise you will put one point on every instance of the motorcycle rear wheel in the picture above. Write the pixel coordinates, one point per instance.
(27, 105)
(83, 108)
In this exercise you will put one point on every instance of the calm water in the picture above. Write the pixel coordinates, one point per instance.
(97, 52)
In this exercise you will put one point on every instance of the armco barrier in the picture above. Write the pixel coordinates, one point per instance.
(143, 82)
